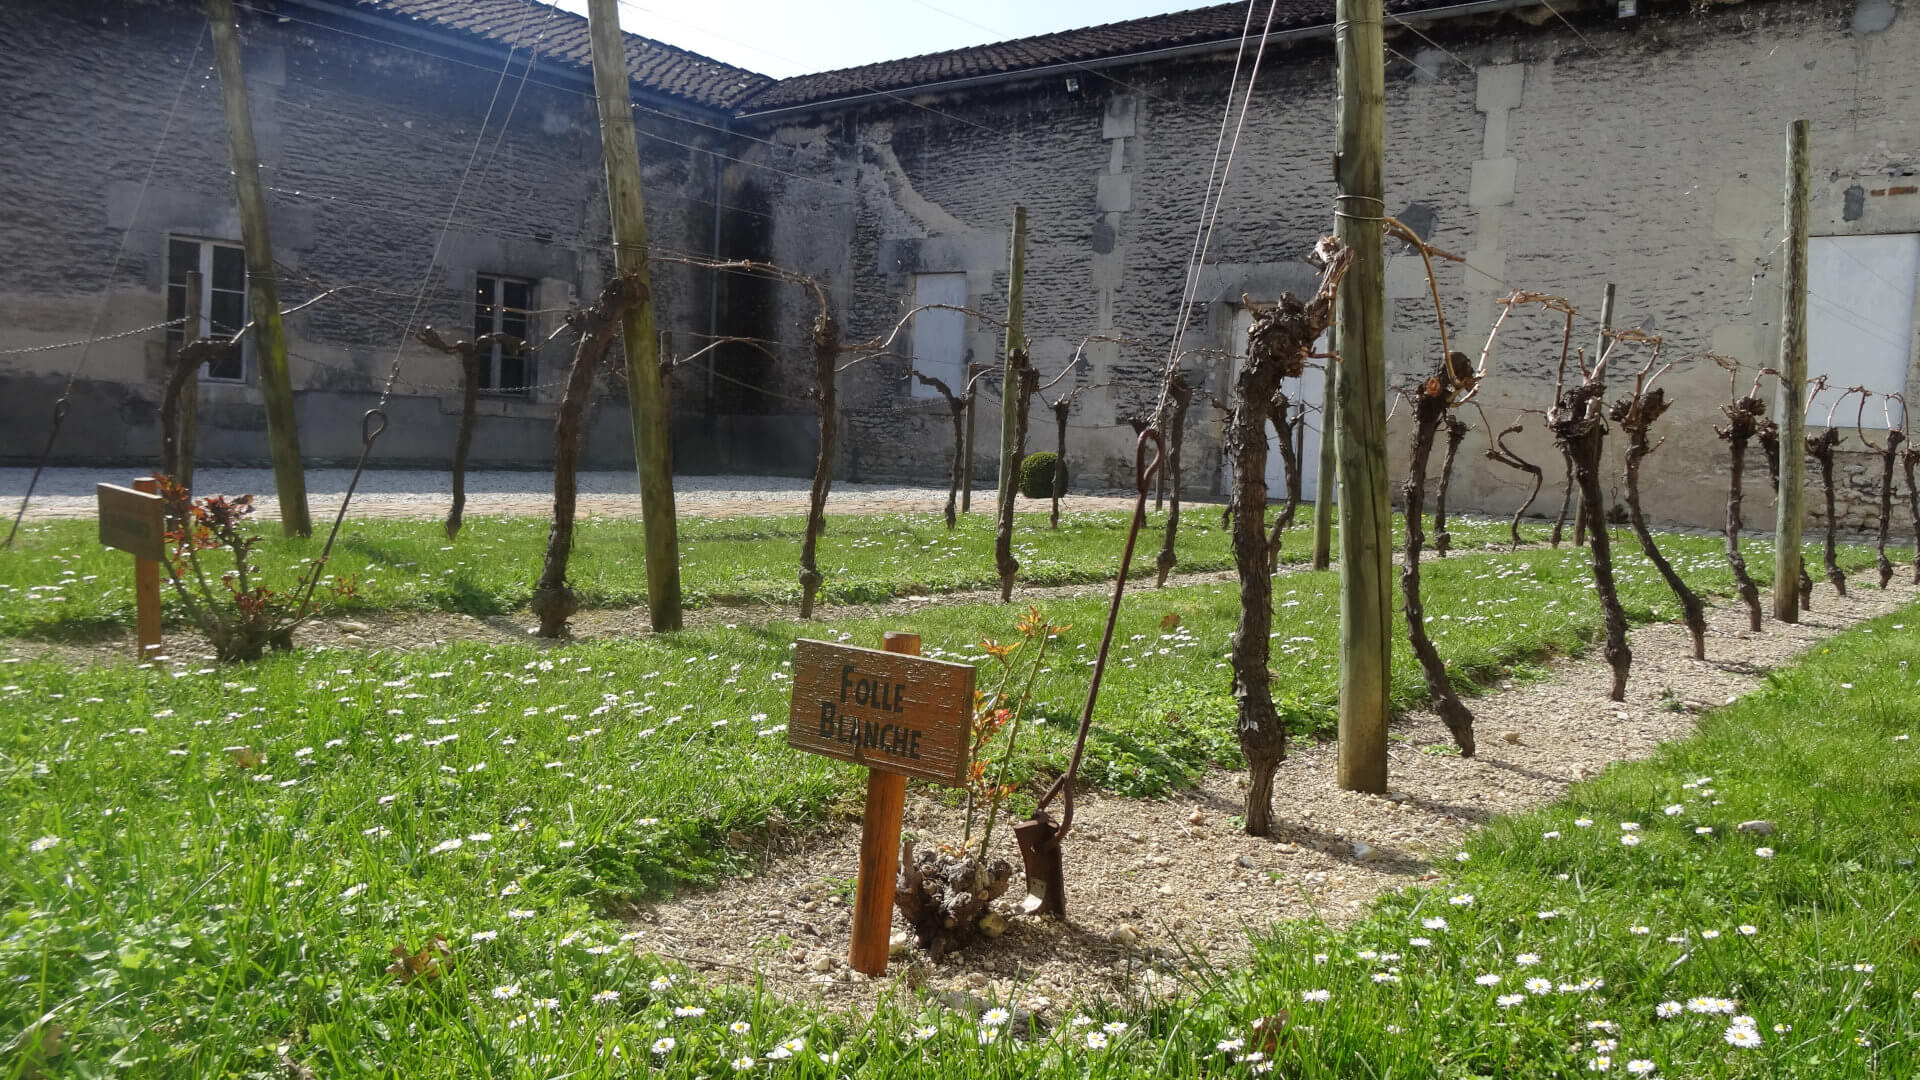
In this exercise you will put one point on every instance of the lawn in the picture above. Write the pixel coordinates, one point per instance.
(216, 861)
(58, 582)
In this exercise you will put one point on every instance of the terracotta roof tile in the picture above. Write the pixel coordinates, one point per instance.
(562, 35)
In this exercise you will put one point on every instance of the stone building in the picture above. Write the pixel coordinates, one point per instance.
(1555, 147)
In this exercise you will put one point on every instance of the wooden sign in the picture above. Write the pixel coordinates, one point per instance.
(132, 521)
(889, 711)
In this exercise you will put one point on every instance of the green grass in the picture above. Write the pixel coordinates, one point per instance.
(58, 582)
(181, 913)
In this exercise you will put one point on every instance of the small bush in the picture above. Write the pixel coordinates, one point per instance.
(1036, 474)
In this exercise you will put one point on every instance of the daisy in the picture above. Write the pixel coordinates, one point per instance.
(1639, 930)
(684, 1011)
(742, 1063)
(739, 1027)
(664, 1045)
(1745, 1038)
(922, 1034)
(1667, 1010)
(606, 997)
(1096, 1041)
(1228, 1046)
(986, 1036)
(1629, 826)
(1465, 899)
(1703, 830)
(1538, 985)
(1764, 852)
(1527, 959)
(43, 844)
(1748, 929)
(1675, 810)
(1641, 1067)
(660, 983)
(507, 992)
(1435, 923)
(1584, 823)
(1383, 977)
(995, 1017)
(1709, 934)
(1600, 1063)
(1630, 840)
(1315, 996)
(1487, 980)
(1117, 1027)
(1420, 942)
(1553, 834)
(1508, 1001)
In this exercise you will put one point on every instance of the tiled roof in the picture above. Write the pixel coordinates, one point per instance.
(1221, 22)
(562, 36)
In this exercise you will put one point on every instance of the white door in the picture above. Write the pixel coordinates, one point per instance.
(940, 337)
(1860, 301)
(1309, 388)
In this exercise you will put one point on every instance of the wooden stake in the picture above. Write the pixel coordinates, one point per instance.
(189, 405)
(263, 283)
(1013, 388)
(879, 850)
(646, 383)
(1366, 537)
(966, 475)
(1323, 487)
(1791, 506)
(146, 590)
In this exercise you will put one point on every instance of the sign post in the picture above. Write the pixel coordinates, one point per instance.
(133, 520)
(899, 715)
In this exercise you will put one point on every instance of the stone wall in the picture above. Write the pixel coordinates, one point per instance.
(1647, 152)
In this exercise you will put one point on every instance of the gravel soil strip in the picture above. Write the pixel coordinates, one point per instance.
(1160, 889)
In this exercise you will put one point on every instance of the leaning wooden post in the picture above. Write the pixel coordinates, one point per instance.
(263, 288)
(966, 452)
(879, 850)
(188, 416)
(646, 382)
(1791, 507)
(1366, 611)
(1327, 477)
(1012, 399)
(146, 588)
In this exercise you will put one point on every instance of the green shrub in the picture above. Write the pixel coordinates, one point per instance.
(1036, 474)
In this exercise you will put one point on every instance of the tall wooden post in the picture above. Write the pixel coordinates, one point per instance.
(1010, 372)
(879, 850)
(263, 283)
(1366, 611)
(1323, 486)
(189, 406)
(966, 451)
(1791, 507)
(646, 385)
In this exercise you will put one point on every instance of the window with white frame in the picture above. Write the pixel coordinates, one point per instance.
(503, 305)
(940, 336)
(223, 299)
(1860, 308)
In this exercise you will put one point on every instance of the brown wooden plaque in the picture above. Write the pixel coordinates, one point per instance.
(132, 521)
(888, 711)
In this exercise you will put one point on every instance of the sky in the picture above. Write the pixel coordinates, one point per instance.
(798, 37)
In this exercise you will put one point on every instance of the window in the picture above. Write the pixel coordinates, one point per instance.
(223, 298)
(940, 337)
(1860, 300)
(501, 306)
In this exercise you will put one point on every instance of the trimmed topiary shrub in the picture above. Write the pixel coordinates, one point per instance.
(1036, 474)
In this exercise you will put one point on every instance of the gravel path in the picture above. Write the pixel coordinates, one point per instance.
(420, 493)
(1155, 882)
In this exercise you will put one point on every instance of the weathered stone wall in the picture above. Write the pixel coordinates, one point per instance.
(1647, 153)
(365, 135)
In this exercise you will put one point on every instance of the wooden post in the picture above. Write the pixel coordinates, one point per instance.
(146, 590)
(1323, 487)
(190, 393)
(966, 477)
(1791, 507)
(1009, 369)
(1366, 612)
(646, 384)
(1014, 387)
(263, 288)
(879, 850)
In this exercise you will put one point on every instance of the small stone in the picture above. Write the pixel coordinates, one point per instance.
(1363, 850)
(1246, 861)
(1287, 849)
(899, 944)
(353, 639)
(1758, 827)
(1398, 797)
(1198, 817)
(993, 924)
(822, 963)
(1124, 934)
(1512, 737)
(355, 627)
